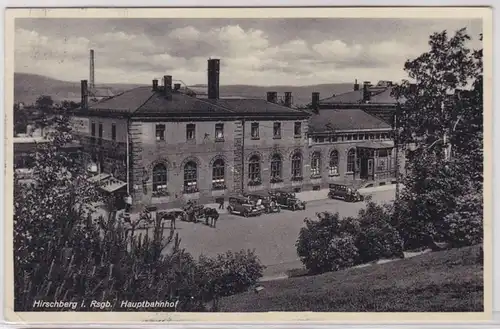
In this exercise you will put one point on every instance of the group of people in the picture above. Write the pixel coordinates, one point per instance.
(193, 210)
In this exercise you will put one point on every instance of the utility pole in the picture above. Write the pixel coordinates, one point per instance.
(396, 147)
(243, 155)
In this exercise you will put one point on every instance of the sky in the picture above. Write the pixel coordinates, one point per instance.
(291, 51)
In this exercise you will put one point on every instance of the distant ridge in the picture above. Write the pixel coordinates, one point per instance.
(28, 87)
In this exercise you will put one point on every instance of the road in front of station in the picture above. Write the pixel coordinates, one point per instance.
(272, 236)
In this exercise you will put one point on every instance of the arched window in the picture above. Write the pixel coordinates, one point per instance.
(190, 177)
(159, 177)
(297, 166)
(218, 170)
(276, 167)
(333, 167)
(254, 170)
(351, 160)
(316, 164)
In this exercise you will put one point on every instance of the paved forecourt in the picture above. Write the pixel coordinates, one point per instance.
(272, 236)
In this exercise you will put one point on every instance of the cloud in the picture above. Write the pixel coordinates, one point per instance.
(260, 52)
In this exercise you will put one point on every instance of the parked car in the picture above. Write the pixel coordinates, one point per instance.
(266, 201)
(242, 205)
(345, 191)
(288, 200)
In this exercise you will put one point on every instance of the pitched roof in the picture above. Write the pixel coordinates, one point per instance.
(127, 101)
(379, 95)
(345, 119)
(143, 101)
(383, 97)
(355, 96)
(254, 106)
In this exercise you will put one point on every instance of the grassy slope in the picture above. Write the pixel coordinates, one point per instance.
(447, 281)
(27, 88)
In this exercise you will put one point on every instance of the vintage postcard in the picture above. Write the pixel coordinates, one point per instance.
(248, 165)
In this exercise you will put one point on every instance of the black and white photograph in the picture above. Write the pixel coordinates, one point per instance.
(256, 164)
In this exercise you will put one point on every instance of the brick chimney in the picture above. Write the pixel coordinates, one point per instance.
(356, 85)
(167, 86)
(272, 96)
(213, 78)
(288, 99)
(155, 84)
(84, 94)
(366, 91)
(315, 101)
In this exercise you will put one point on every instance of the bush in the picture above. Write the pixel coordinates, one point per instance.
(227, 274)
(326, 245)
(377, 238)
(464, 227)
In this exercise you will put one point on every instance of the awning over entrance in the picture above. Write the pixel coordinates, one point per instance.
(376, 145)
(100, 177)
(112, 184)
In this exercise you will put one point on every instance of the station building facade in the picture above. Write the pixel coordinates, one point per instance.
(166, 146)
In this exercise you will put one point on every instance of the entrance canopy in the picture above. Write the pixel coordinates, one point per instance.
(112, 184)
(107, 182)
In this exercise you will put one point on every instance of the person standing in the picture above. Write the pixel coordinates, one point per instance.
(221, 203)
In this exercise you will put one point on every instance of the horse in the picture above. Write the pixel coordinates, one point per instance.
(172, 217)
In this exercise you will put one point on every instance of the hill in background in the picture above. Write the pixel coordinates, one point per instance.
(28, 87)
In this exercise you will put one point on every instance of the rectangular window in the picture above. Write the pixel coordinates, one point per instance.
(349, 137)
(100, 133)
(277, 130)
(372, 136)
(113, 132)
(190, 131)
(297, 129)
(377, 136)
(160, 132)
(219, 131)
(355, 137)
(255, 130)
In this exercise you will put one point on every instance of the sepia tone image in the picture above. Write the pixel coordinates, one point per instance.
(330, 164)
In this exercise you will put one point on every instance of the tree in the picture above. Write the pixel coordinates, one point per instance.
(64, 253)
(441, 116)
(44, 102)
(20, 121)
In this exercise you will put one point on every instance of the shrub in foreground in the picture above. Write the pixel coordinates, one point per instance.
(326, 244)
(377, 238)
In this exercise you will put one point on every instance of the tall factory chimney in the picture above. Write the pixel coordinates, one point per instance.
(91, 76)
(213, 78)
(84, 94)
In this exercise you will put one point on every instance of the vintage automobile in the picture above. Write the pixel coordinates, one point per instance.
(346, 191)
(288, 200)
(266, 201)
(242, 205)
